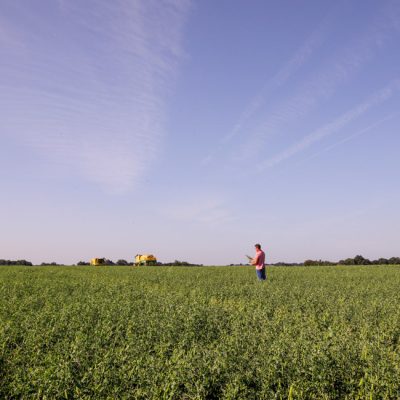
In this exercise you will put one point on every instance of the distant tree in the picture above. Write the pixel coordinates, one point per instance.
(286, 264)
(318, 262)
(122, 262)
(83, 263)
(347, 261)
(309, 263)
(180, 264)
(360, 260)
(394, 260)
(22, 262)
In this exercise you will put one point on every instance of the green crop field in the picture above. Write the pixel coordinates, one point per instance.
(199, 333)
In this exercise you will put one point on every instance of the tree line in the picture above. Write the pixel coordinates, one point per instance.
(107, 262)
(357, 260)
(124, 262)
(15, 262)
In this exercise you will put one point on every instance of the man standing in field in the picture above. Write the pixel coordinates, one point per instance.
(259, 262)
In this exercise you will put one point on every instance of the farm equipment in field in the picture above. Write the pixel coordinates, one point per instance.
(98, 261)
(145, 259)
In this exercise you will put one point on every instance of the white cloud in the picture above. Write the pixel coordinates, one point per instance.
(301, 56)
(356, 134)
(90, 92)
(322, 85)
(377, 98)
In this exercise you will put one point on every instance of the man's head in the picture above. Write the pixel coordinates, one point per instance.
(257, 246)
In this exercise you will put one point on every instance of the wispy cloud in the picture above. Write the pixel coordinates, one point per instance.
(298, 59)
(316, 90)
(91, 86)
(356, 134)
(301, 56)
(334, 126)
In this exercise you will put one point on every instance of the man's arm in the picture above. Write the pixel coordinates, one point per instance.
(254, 261)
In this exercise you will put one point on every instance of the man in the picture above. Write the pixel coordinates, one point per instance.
(259, 262)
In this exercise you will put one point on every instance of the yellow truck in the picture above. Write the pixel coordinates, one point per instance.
(145, 259)
(98, 261)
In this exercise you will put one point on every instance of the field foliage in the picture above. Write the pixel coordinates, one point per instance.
(199, 333)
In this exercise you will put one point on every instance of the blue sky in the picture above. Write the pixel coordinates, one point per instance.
(193, 130)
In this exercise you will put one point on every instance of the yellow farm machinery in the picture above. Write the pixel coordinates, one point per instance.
(140, 259)
(98, 261)
(145, 259)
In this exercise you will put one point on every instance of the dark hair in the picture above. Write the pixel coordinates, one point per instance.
(258, 246)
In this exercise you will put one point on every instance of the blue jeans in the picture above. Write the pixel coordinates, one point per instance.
(261, 275)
